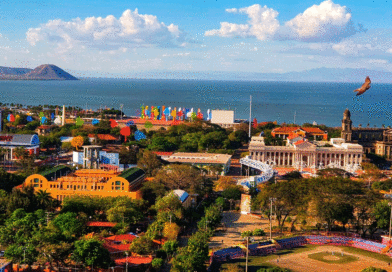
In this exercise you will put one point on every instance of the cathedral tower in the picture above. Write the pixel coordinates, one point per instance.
(347, 126)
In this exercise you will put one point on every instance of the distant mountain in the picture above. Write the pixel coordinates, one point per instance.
(42, 72)
(13, 71)
(314, 75)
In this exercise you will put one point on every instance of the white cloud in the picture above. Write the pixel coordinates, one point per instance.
(351, 48)
(323, 22)
(229, 30)
(186, 54)
(130, 30)
(319, 23)
(374, 43)
(262, 24)
(232, 10)
(377, 61)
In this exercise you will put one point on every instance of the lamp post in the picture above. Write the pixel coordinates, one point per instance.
(247, 253)
(126, 267)
(390, 222)
(271, 199)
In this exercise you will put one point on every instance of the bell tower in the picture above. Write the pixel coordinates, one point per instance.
(347, 126)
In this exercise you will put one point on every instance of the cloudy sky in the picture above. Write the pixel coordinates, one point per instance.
(109, 38)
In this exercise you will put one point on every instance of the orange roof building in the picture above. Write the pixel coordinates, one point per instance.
(286, 132)
(118, 243)
(101, 224)
(134, 260)
(103, 137)
(61, 182)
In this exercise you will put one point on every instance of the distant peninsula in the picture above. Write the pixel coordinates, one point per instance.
(42, 72)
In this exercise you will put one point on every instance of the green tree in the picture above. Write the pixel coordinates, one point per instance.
(149, 163)
(90, 252)
(170, 247)
(69, 224)
(212, 140)
(233, 192)
(17, 234)
(142, 245)
(160, 143)
(54, 254)
(182, 177)
(290, 198)
(128, 156)
(169, 206)
(382, 213)
(157, 263)
(373, 269)
(126, 210)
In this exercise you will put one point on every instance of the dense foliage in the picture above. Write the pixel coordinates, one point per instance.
(332, 201)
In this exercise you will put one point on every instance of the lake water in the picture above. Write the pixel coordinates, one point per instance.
(280, 101)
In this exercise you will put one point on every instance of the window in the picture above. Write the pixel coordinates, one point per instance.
(36, 182)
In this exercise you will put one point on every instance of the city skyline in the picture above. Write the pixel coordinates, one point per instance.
(119, 38)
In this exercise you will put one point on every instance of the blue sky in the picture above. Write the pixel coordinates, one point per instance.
(109, 38)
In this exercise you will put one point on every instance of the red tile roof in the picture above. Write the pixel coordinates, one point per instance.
(101, 224)
(313, 130)
(122, 237)
(292, 129)
(44, 127)
(6, 138)
(160, 241)
(132, 260)
(104, 137)
(293, 136)
(113, 248)
(299, 142)
(162, 153)
(285, 129)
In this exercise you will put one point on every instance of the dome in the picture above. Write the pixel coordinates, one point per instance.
(182, 195)
(347, 113)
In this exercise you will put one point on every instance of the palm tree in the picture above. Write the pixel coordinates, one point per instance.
(44, 199)
(3, 151)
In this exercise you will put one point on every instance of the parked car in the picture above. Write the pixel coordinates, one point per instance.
(2, 253)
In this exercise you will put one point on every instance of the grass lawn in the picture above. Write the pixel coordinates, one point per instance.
(337, 258)
(373, 255)
(257, 262)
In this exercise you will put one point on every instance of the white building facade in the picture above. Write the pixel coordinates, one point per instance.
(307, 154)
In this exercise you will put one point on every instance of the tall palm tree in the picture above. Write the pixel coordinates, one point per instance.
(3, 151)
(44, 199)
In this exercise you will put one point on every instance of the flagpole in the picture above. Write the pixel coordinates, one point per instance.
(250, 116)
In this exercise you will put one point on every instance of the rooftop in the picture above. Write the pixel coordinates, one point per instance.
(56, 172)
(184, 157)
(182, 195)
(292, 129)
(133, 260)
(100, 224)
(103, 137)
